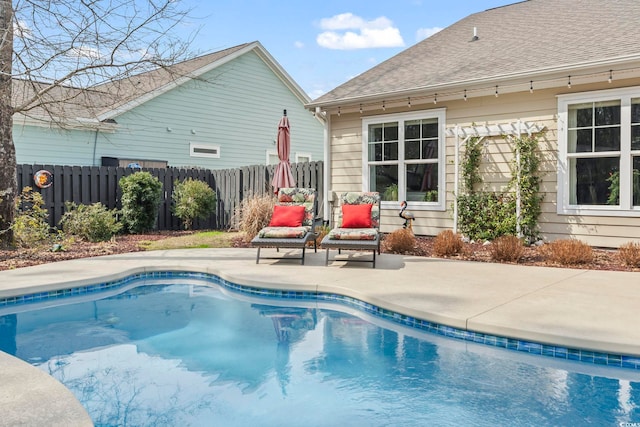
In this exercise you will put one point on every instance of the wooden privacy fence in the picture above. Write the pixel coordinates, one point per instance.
(91, 184)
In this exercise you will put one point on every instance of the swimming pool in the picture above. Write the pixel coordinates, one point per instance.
(188, 352)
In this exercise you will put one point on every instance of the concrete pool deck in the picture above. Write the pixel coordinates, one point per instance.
(585, 309)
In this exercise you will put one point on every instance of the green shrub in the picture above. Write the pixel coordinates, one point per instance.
(192, 199)
(30, 225)
(94, 223)
(141, 197)
(486, 215)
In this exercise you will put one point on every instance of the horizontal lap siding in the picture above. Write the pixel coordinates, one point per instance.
(236, 106)
(540, 108)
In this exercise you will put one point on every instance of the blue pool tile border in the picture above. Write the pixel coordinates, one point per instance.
(535, 348)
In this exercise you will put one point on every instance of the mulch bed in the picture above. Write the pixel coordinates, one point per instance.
(604, 259)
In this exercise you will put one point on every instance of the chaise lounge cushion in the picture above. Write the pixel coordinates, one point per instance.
(283, 232)
(287, 216)
(356, 216)
(353, 234)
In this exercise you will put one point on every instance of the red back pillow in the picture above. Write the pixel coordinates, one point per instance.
(287, 216)
(356, 216)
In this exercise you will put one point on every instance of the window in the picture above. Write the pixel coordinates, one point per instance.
(272, 157)
(405, 157)
(204, 150)
(303, 157)
(599, 145)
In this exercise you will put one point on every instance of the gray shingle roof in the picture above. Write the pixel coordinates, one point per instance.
(526, 38)
(64, 103)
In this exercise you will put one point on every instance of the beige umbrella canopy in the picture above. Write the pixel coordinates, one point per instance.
(283, 178)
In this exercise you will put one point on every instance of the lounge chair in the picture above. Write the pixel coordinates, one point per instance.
(357, 227)
(293, 223)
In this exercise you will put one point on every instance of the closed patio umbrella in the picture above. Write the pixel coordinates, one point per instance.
(283, 178)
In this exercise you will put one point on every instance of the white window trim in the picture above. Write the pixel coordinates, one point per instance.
(624, 95)
(194, 146)
(298, 155)
(440, 114)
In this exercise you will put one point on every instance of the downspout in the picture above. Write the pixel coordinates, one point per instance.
(518, 193)
(456, 179)
(95, 144)
(326, 167)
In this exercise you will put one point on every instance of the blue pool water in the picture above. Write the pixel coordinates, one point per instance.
(186, 354)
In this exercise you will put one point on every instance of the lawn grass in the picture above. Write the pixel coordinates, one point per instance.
(207, 239)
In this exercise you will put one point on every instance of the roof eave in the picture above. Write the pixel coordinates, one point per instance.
(542, 78)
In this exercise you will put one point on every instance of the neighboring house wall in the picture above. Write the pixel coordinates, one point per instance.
(45, 145)
(234, 108)
(597, 227)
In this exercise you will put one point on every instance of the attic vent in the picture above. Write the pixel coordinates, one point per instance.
(205, 150)
(475, 34)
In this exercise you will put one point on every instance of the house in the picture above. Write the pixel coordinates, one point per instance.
(567, 72)
(216, 111)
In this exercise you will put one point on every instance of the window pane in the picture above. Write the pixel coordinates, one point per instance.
(635, 137)
(430, 149)
(580, 115)
(422, 182)
(375, 152)
(412, 150)
(391, 151)
(412, 129)
(375, 133)
(608, 139)
(580, 141)
(590, 179)
(607, 113)
(384, 179)
(430, 129)
(635, 111)
(636, 181)
(390, 131)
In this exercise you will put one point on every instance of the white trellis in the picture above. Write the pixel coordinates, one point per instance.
(462, 135)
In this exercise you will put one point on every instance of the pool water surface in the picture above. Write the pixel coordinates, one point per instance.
(192, 354)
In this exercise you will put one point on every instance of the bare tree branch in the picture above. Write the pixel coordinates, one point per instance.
(66, 59)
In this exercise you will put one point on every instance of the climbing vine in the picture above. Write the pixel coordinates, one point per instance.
(487, 215)
(471, 164)
(528, 180)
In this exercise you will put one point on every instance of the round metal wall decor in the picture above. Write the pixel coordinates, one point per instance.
(43, 179)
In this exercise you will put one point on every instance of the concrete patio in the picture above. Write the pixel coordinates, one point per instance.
(584, 309)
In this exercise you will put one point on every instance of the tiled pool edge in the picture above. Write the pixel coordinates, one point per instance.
(530, 347)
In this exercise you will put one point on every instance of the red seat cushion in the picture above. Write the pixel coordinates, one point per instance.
(356, 216)
(287, 216)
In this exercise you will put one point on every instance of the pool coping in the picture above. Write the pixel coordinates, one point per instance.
(132, 279)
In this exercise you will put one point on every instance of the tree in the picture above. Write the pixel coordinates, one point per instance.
(61, 55)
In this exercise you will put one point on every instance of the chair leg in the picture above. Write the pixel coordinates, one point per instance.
(326, 258)
(303, 248)
(258, 256)
(374, 258)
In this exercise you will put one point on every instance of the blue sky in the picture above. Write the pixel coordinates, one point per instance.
(323, 44)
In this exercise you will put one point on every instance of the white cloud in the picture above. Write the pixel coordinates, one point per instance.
(298, 44)
(21, 29)
(423, 33)
(379, 32)
(85, 52)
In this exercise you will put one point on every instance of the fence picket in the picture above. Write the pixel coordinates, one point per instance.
(91, 184)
